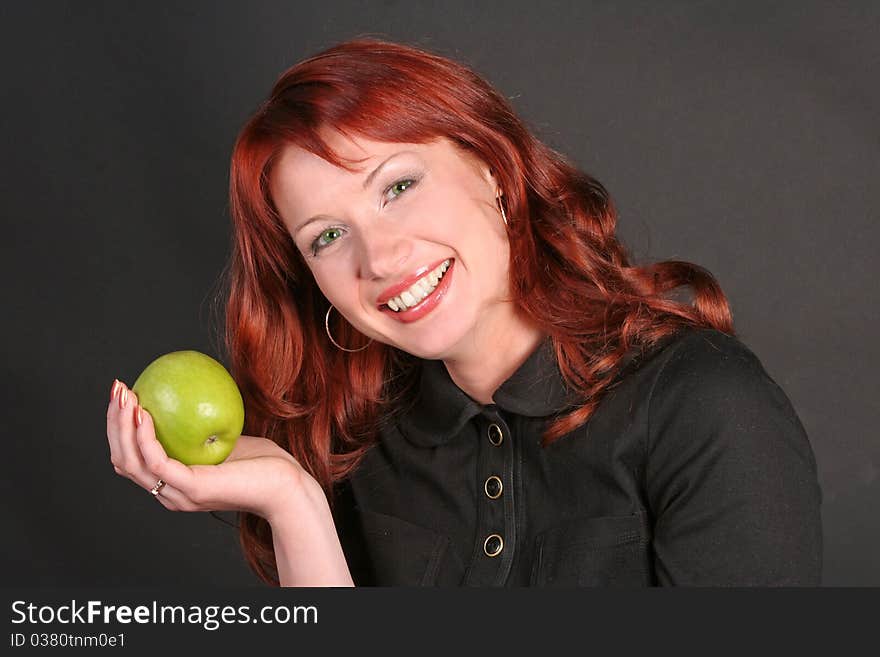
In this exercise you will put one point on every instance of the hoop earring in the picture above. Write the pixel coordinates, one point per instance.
(501, 208)
(336, 344)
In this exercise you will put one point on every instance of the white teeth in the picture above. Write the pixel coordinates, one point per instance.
(418, 290)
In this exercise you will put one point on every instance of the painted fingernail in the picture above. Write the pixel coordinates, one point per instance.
(114, 389)
(123, 397)
(140, 418)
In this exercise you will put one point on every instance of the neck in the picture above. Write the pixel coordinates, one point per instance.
(486, 363)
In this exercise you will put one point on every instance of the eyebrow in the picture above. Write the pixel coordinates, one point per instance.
(367, 182)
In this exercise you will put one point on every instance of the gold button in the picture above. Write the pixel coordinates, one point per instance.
(495, 434)
(493, 487)
(493, 545)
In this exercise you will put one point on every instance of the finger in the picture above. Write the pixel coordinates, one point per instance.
(112, 431)
(132, 461)
(157, 464)
(172, 499)
(135, 465)
(169, 496)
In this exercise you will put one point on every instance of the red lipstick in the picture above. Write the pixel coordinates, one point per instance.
(397, 288)
(426, 305)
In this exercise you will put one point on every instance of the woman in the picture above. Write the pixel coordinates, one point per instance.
(460, 377)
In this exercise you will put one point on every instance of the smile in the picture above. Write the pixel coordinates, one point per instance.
(414, 294)
(421, 297)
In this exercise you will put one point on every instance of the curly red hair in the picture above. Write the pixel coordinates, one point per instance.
(570, 276)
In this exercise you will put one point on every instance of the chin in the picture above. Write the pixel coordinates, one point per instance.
(436, 346)
(428, 352)
(438, 335)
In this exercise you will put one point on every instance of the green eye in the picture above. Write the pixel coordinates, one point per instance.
(326, 238)
(399, 187)
(329, 235)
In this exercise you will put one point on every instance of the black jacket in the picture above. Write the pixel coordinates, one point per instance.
(694, 470)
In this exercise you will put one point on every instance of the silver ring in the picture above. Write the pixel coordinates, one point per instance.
(154, 491)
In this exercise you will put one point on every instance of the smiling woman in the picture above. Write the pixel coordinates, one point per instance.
(502, 397)
(385, 250)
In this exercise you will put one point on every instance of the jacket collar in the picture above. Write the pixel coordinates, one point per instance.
(441, 408)
(535, 389)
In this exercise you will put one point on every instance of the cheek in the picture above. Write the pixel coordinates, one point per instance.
(500, 274)
(332, 284)
(465, 224)
(490, 258)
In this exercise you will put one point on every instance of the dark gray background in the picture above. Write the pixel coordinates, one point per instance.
(740, 136)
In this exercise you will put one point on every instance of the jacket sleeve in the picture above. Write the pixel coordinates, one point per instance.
(730, 473)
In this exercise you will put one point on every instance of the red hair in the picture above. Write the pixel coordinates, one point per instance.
(570, 277)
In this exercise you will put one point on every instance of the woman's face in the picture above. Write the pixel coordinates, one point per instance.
(409, 212)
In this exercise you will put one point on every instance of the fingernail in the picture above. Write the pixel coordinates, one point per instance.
(114, 390)
(123, 397)
(140, 418)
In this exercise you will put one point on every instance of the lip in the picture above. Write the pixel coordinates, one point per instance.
(426, 305)
(396, 289)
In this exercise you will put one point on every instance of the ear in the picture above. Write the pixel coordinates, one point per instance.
(492, 180)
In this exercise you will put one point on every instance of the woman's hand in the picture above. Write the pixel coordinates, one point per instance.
(258, 476)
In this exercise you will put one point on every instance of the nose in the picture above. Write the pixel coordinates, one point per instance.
(383, 252)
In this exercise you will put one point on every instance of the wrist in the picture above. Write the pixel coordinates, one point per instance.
(306, 545)
(297, 496)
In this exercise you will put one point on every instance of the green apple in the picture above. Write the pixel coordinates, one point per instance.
(196, 406)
